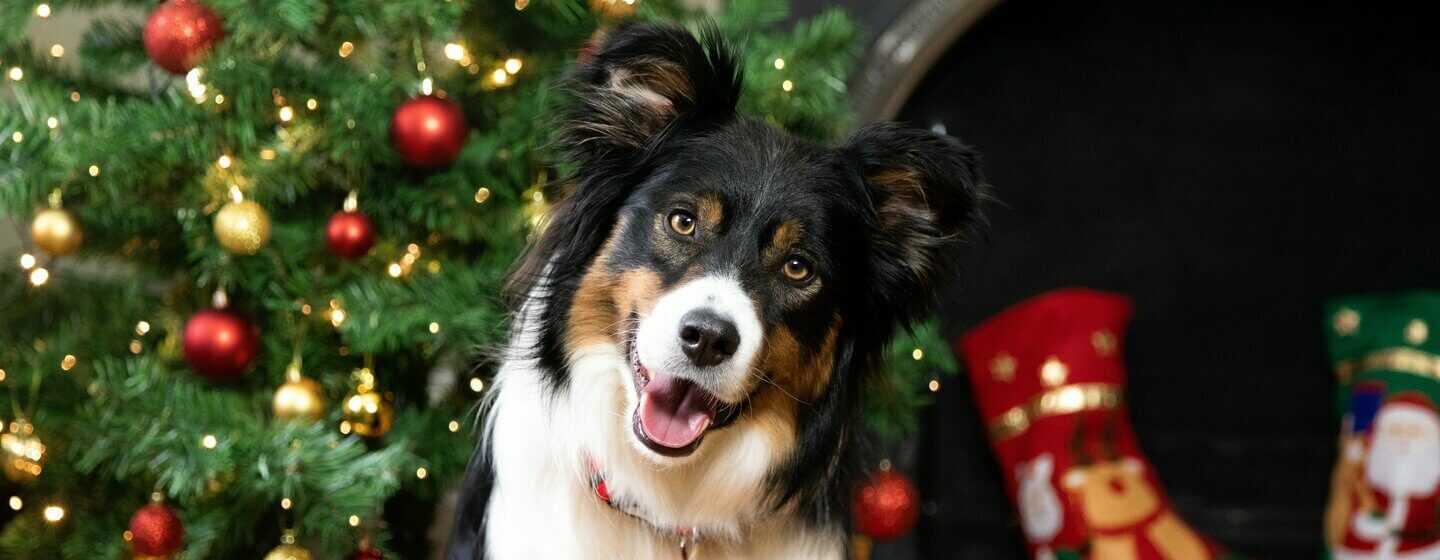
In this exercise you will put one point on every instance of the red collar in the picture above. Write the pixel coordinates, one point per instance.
(688, 537)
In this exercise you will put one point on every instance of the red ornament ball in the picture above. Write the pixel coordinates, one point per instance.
(155, 530)
(180, 32)
(350, 234)
(365, 553)
(220, 344)
(428, 131)
(886, 507)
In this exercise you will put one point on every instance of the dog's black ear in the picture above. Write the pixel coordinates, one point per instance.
(645, 80)
(926, 189)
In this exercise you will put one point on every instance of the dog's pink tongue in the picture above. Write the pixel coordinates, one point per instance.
(674, 412)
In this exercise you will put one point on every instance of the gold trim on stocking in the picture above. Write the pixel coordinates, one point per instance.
(1066, 399)
(1403, 360)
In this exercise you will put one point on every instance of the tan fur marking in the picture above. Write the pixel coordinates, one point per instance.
(710, 211)
(801, 374)
(786, 236)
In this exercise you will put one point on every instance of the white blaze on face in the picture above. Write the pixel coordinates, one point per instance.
(658, 340)
(1404, 458)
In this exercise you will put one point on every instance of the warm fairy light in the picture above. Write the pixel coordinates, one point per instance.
(394, 270)
(192, 84)
(285, 503)
(224, 162)
(2, 376)
(345, 426)
(521, 4)
(433, 266)
(454, 51)
(337, 317)
(94, 171)
(52, 122)
(74, 97)
(354, 521)
(477, 384)
(787, 85)
(421, 473)
(142, 328)
(209, 441)
(16, 74)
(418, 66)
(454, 425)
(39, 276)
(42, 10)
(27, 261)
(427, 86)
(267, 154)
(136, 347)
(513, 65)
(500, 77)
(68, 362)
(219, 98)
(286, 114)
(311, 104)
(918, 354)
(434, 328)
(482, 195)
(128, 536)
(16, 503)
(18, 137)
(346, 48)
(779, 64)
(305, 308)
(57, 50)
(934, 385)
(54, 514)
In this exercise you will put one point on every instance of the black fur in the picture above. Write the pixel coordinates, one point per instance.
(653, 126)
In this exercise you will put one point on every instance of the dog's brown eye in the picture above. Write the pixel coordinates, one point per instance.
(683, 223)
(797, 269)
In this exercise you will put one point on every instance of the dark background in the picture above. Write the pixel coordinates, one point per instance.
(1228, 164)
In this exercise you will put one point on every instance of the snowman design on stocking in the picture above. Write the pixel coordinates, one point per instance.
(1041, 513)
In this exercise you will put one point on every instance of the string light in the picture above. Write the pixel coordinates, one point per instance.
(513, 65)
(192, 84)
(42, 10)
(39, 277)
(57, 50)
(346, 48)
(16, 503)
(142, 328)
(779, 64)
(285, 503)
(312, 104)
(454, 51)
(16, 74)
(477, 384)
(68, 362)
(286, 114)
(267, 154)
(27, 261)
(918, 354)
(434, 328)
(427, 86)
(421, 473)
(52, 122)
(74, 97)
(787, 85)
(934, 385)
(500, 77)
(354, 521)
(136, 347)
(520, 5)
(2, 378)
(94, 171)
(209, 441)
(54, 514)
(224, 162)
(482, 195)
(394, 270)
(454, 425)
(18, 137)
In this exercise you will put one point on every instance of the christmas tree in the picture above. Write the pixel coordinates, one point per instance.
(264, 250)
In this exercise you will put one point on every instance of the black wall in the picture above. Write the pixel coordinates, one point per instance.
(1229, 164)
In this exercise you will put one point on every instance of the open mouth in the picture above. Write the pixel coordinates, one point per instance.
(674, 413)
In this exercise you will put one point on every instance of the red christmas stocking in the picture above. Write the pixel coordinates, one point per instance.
(1049, 382)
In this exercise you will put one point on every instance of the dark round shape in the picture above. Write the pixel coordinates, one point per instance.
(796, 269)
(682, 223)
(179, 33)
(350, 235)
(155, 530)
(220, 344)
(886, 507)
(428, 132)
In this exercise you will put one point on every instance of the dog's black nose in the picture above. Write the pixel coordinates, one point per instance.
(707, 337)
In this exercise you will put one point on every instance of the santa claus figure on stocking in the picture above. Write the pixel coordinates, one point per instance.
(1395, 510)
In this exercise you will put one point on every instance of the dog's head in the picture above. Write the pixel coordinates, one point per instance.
(749, 278)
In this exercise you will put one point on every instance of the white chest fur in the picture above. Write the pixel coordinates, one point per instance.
(542, 505)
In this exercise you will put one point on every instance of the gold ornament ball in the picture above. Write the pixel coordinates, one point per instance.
(21, 452)
(369, 413)
(613, 9)
(242, 227)
(300, 399)
(288, 552)
(56, 231)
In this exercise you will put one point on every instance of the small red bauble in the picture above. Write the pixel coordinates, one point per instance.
(350, 234)
(886, 507)
(220, 344)
(180, 32)
(428, 131)
(365, 553)
(155, 530)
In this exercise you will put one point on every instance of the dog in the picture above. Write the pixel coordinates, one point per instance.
(695, 326)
